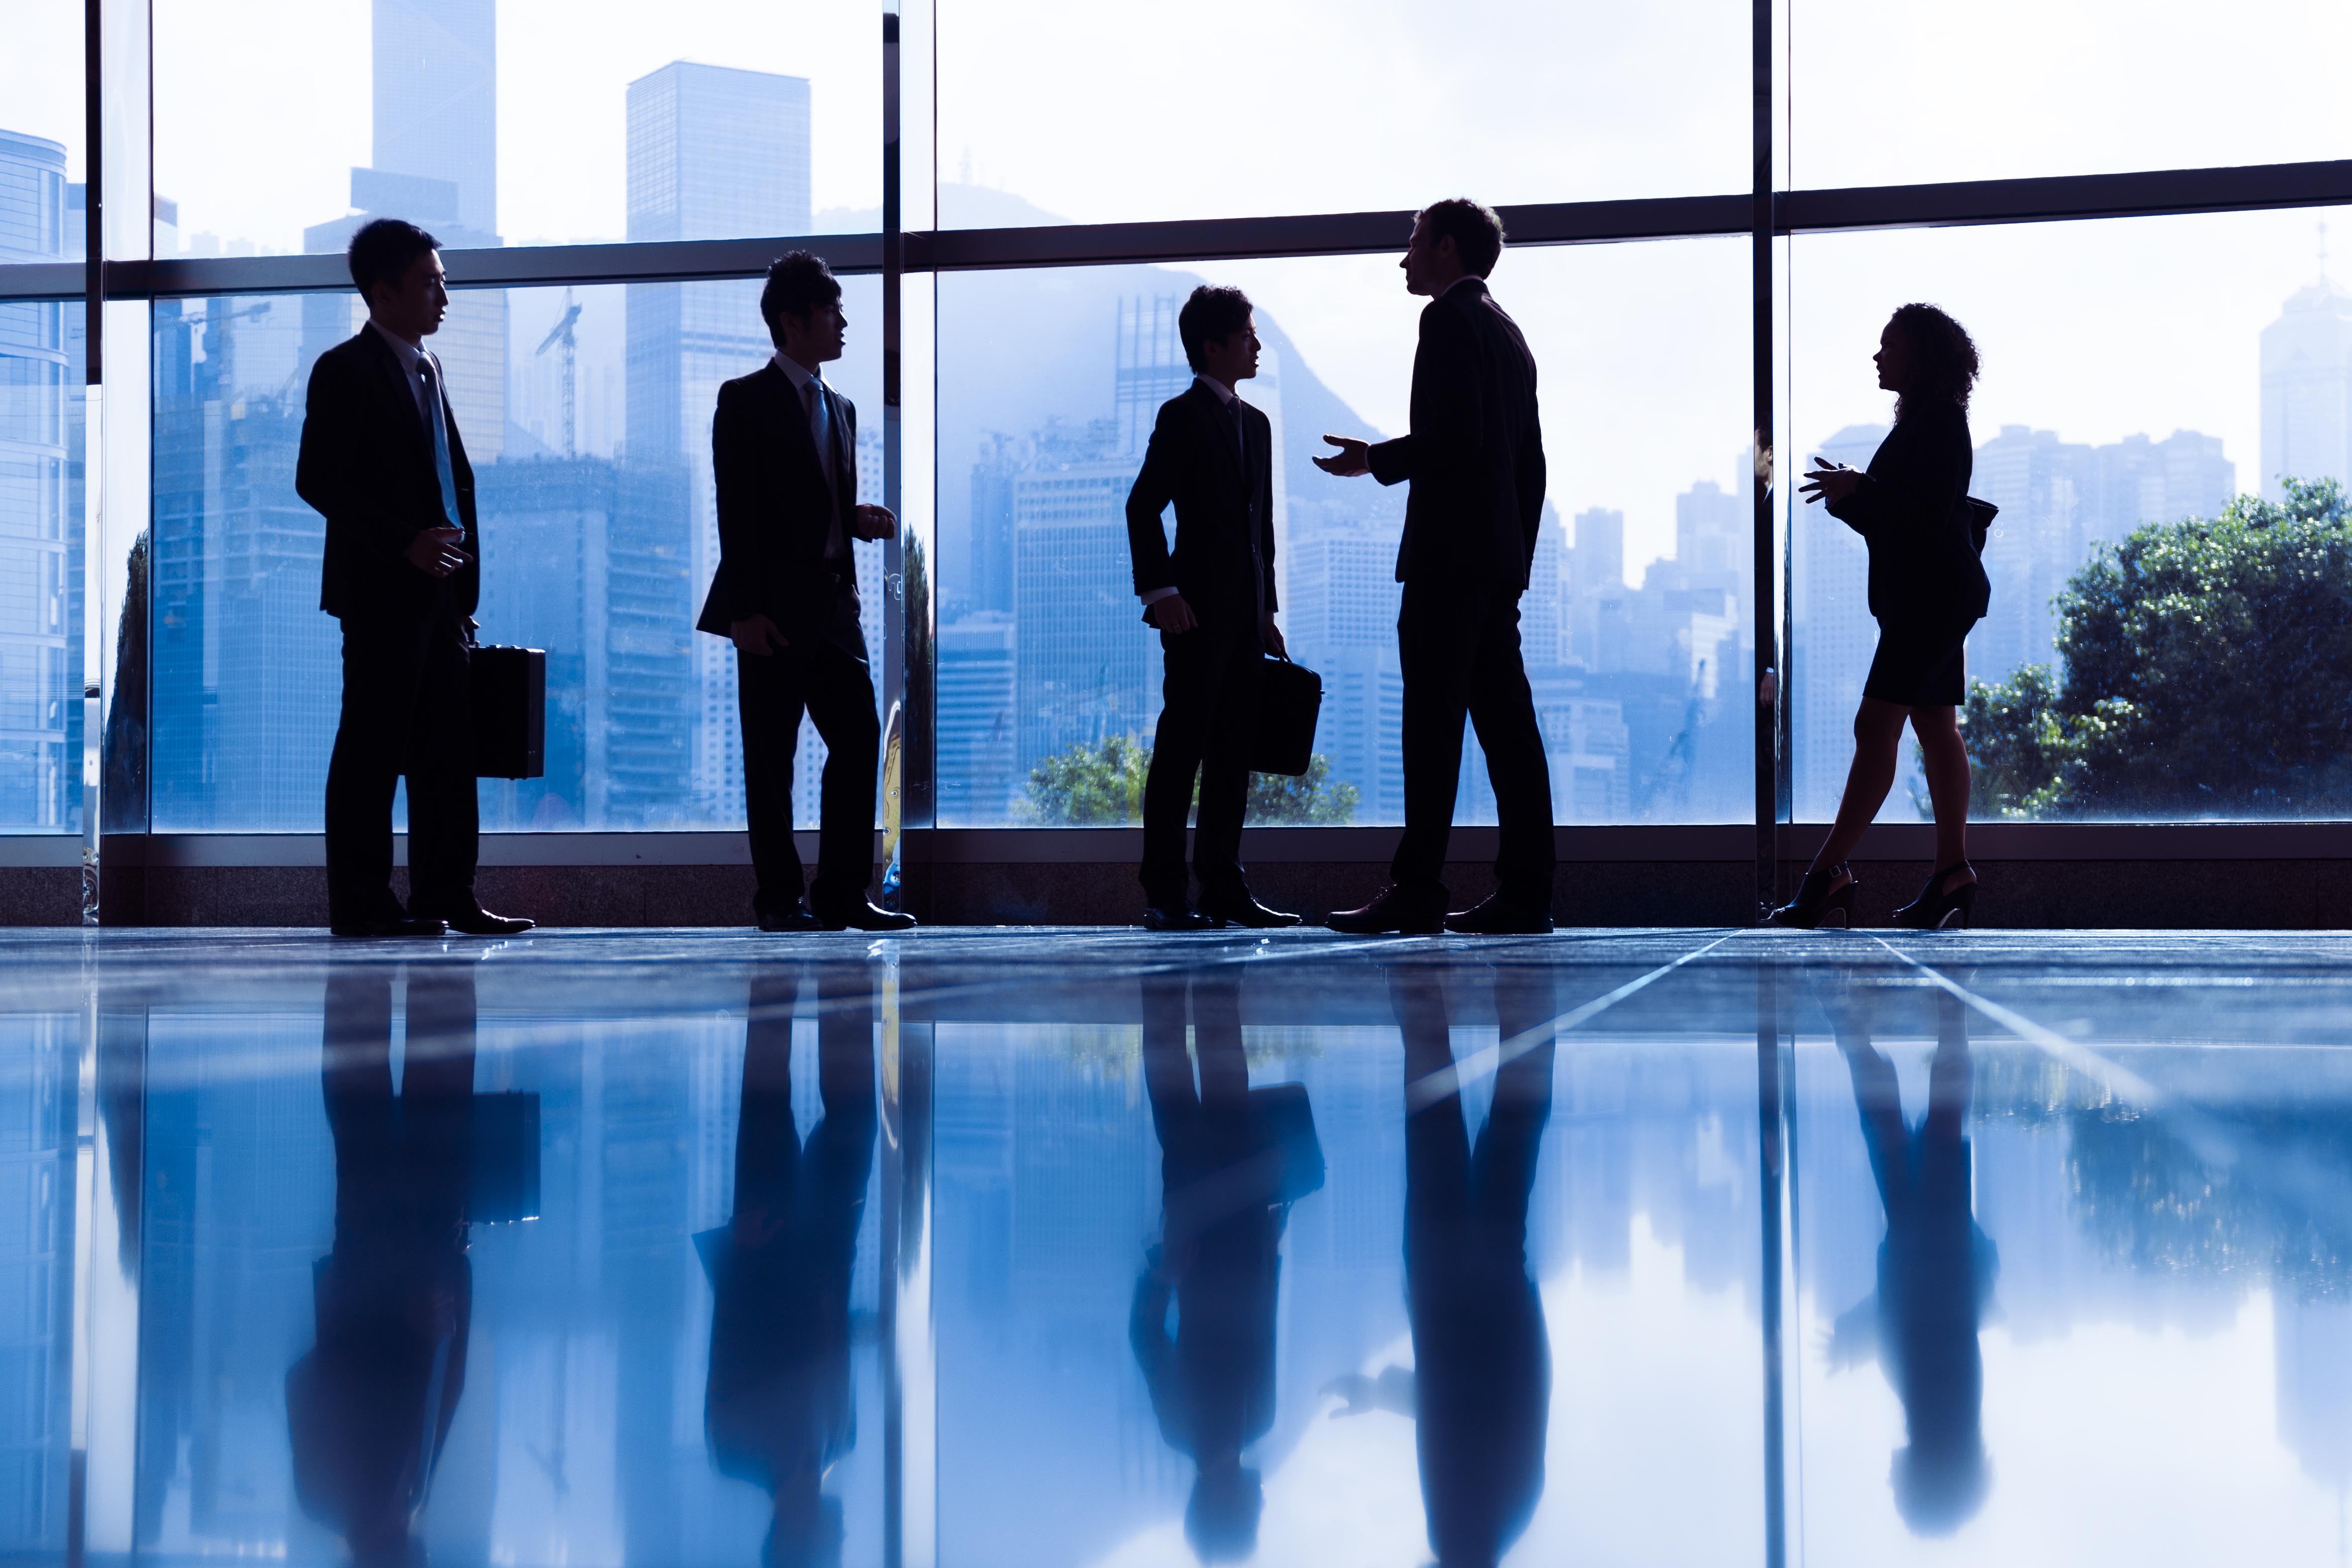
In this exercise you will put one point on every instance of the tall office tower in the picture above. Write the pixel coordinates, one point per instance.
(2137, 480)
(990, 568)
(242, 718)
(436, 98)
(1587, 744)
(1543, 609)
(1149, 366)
(2041, 484)
(1835, 638)
(1087, 666)
(2307, 389)
(1596, 586)
(1715, 536)
(714, 153)
(979, 783)
(1340, 620)
(40, 515)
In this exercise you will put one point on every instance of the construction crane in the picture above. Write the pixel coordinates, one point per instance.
(561, 334)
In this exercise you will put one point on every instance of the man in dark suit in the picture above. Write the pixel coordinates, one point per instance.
(784, 448)
(1475, 456)
(382, 461)
(1213, 601)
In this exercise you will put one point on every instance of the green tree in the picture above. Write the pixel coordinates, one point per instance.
(1100, 784)
(2208, 671)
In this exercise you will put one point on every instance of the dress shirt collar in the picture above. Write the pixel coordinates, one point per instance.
(409, 355)
(1224, 395)
(799, 374)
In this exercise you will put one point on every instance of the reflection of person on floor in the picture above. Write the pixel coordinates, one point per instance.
(1212, 1381)
(369, 1407)
(778, 1409)
(1481, 1384)
(1936, 1272)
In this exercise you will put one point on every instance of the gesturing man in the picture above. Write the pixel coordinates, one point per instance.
(1212, 602)
(382, 461)
(1475, 454)
(783, 448)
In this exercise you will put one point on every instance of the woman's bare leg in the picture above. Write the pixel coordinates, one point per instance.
(1877, 738)
(1946, 757)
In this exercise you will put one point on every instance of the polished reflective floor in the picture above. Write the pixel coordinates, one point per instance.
(1068, 1248)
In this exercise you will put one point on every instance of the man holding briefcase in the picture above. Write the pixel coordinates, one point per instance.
(382, 461)
(1213, 601)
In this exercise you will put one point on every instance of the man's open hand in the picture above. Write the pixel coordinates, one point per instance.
(435, 552)
(1353, 458)
(757, 634)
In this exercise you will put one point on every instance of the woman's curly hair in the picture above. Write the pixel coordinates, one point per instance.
(1943, 355)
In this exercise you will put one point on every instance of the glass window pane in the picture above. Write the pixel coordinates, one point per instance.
(524, 123)
(41, 510)
(1062, 111)
(2021, 88)
(1636, 632)
(42, 120)
(2137, 373)
(592, 461)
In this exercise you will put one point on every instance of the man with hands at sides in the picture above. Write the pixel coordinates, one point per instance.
(783, 451)
(1475, 454)
(1213, 601)
(383, 462)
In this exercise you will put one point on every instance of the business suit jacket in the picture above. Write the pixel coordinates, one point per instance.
(1224, 489)
(366, 465)
(775, 511)
(1923, 565)
(1475, 454)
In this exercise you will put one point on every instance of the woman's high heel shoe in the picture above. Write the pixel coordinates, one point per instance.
(1822, 900)
(1942, 907)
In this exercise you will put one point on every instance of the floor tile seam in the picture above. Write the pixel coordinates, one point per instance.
(1447, 1081)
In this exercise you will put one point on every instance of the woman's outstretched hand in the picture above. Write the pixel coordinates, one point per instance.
(1830, 481)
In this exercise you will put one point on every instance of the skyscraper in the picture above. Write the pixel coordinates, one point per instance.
(714, 153)
(436, 99)
(2307, 389)
(1087, 666)
(40, 518)
(1835, 637)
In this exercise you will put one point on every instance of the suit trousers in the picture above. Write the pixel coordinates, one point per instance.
(1208, 714)
(1458, 650)
(408, 709)
(827, 678)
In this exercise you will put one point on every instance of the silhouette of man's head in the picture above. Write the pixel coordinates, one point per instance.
(801, 302)
(1221, 1519)
(396, 266)
(1456, 232)
(1939, 1489)
(1207, 324)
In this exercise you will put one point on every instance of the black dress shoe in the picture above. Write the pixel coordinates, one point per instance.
(1243, 910)
(393, 924)
(475, 920)
(796, 918)
(858, 914)
(1175, 917)
(1393, 909)
(1495, 915)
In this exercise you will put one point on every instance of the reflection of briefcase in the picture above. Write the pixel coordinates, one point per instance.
(510, 713)
(1289, 698)
(1285, 1127)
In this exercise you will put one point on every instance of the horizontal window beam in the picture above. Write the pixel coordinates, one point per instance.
(2153, 194)
(1629, 843)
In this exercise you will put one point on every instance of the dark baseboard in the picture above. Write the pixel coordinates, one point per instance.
(2251, 894)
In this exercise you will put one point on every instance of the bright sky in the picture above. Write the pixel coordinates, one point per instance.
(1108, 113)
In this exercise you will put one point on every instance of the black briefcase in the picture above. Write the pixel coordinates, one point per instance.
(510, 713)
(1289, 698)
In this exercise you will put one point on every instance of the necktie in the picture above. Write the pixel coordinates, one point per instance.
(440, 428)
(821, 432)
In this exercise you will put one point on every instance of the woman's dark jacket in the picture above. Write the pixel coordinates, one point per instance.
(1923, 570)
